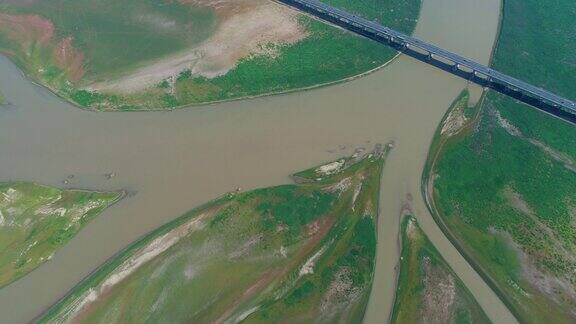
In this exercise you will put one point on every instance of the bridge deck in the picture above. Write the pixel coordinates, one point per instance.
(353, 23)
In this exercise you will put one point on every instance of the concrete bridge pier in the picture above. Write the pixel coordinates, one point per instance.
(476, 77)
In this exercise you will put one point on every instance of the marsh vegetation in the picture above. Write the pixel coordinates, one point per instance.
(428, 290)
(297, 252)
(504, 186)
(165, 54)
(35, 221)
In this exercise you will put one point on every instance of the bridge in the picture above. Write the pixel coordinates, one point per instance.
(443, 59)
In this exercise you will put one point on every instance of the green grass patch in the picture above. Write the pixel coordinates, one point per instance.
(327, 55)
(35, 221)
(271, 254)
(115, 43)
(505, 188)
(428, 290)
(116, 36)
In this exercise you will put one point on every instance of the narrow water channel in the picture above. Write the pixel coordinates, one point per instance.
(174, 161)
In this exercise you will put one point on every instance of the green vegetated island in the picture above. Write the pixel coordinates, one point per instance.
(293, 253)
(501, 175)
(154, 54)
(35, 221)
(428, 290)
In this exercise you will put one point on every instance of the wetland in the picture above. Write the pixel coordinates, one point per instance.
(171, 162)
(501, 185)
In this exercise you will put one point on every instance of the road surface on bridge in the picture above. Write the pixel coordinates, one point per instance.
(459, 65)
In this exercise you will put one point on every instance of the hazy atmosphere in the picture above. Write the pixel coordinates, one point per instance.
(298, 161)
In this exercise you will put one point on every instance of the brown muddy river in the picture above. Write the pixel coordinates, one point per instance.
(174, 161)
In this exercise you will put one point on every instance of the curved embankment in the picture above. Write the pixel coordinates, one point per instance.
(189, 51)
(301, 252)
(459, 120)
(519, 278)
(502, 188)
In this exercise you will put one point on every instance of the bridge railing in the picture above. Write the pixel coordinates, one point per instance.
(353, 22)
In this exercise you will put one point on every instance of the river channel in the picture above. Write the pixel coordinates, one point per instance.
(174, 161)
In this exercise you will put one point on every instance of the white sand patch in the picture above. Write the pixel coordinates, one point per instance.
(157, 21)
(152, 250)
(518, 288)
(14, 211)
(10, 196)
(558, 288)
(259, 30)
(548, 234)
(517, 201)
(160, 270)
(308, 267)
(369, 208)
(283, 251)
(357, 191)
(341, 293)
(330, 168)
(439, 294)
(508, 127)
(455, 121)
(88, 297)
(246, 247)
(341, 186)
(26, 221)
(159, 301)
(145, 254)
(190, 272)
(49, 210)
(245, 314)
(78, 212)
(563, 158)
(411, 229)
(313, 228)
(26, 250)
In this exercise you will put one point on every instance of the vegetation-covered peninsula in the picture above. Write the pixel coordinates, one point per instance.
(154, 54)
(502, 183)
(428, 290)
(35, 221)
(293, 253)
